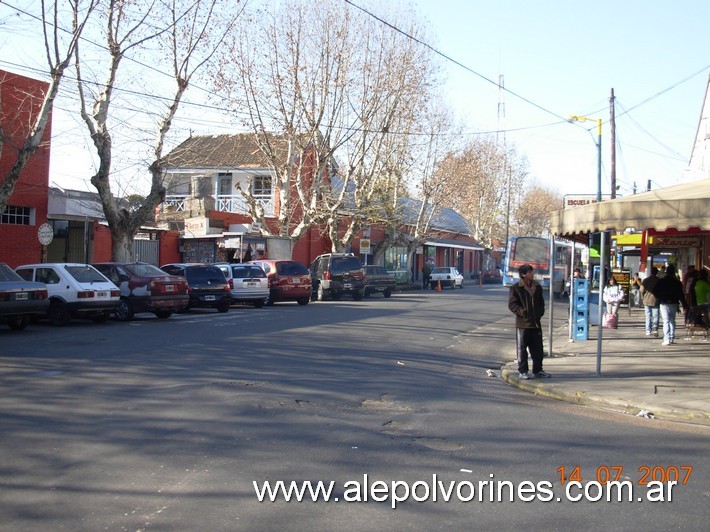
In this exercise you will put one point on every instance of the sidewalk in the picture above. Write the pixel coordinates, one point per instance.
(638, 375)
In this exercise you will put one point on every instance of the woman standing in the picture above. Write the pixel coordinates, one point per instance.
(613, 294)
(669, 292)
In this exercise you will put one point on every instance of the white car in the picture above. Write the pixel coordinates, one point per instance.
(247, 282)
(75, 290)
(447, 276)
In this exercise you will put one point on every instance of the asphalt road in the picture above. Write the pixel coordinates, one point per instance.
(167, 424)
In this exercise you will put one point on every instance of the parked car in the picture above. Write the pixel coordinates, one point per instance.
(335, 274)
(448, 276)
(247, 283)
(494, 276)
(289, 280)
(75, 290)
(20, 300)
(145, 288)
(377, 279)
(206, 285)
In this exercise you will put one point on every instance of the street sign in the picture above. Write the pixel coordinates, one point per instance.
(45, 233)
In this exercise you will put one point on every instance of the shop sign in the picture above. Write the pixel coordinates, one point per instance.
(674, 241)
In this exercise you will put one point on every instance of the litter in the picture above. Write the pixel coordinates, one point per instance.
(646, 414)
(492, 373)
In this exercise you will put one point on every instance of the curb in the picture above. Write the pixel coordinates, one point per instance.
(547, 389)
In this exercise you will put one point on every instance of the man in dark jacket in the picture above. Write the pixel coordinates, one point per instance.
(669, 292)
(526, 302)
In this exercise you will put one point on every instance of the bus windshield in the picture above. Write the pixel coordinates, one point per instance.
(530, 250)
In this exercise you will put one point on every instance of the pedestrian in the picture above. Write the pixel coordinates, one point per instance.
(636, 291)
(650, 302)
(669, 292)
(702, 290)
(691, 274)
(426, 275)
(613, 294)
(526, 302)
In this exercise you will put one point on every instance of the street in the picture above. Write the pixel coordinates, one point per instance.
(174, 424)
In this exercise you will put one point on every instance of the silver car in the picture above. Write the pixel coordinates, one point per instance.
(247, 282)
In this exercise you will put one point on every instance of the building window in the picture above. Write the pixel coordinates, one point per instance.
(262, 186)
(17, 215)
(225, 184)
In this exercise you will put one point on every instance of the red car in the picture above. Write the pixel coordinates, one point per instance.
(145, 288)
(289, 280)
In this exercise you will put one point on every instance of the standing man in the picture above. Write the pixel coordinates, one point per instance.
(669, 292)
(426, 275)
(650, 302)
(526, 302)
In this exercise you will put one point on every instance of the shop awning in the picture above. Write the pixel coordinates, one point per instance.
(678, 207)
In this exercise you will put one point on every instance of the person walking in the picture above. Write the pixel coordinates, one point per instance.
(525, 300)
(669, 292)
(650, 302)
(636, 291)
(426, 275)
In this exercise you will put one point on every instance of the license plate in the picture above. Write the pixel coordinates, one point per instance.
(21, 296)
(252, 284)
(347, 285)
(100, 294)
(210, 298)
(296, 280)
(169, 287)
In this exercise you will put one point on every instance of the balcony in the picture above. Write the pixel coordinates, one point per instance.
(235, 204)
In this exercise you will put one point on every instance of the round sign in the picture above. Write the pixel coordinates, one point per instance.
(45, 233)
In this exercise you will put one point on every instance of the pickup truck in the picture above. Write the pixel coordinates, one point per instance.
(378, 280)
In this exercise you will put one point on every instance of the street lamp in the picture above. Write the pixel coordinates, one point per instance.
(602, 250)
(577, 118)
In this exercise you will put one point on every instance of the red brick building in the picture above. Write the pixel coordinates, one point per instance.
(20, 101)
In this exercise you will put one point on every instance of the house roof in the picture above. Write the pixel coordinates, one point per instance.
(239, 150)
(679, 207)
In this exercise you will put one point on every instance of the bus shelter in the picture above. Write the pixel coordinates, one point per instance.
(673, 212)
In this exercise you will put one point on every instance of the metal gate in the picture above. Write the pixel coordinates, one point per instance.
(147, 251)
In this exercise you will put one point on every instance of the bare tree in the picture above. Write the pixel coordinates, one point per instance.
(60, 43)
(482, 178)
(342, 92)
(532, 215)
(188, 33)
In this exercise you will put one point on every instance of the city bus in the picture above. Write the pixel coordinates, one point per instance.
(535, 250)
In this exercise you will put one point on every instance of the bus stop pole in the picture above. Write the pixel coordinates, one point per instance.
(602, 284)
(551, 264)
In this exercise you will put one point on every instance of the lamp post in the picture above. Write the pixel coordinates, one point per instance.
(577, 118)
(602, 250)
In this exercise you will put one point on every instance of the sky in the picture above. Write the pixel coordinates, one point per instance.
(557, 58)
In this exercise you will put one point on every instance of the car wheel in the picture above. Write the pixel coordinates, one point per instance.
(387, 292)
(124, 310)
(100, 318)
(223, 307)
(335, 295)
(268, 301)
(58, 313)
(357, 296)
(163, 314)
(302, 301)
(18, 323)
(320, 296)
(461, 285)
(258, 303)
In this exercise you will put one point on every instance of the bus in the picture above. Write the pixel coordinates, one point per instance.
(535, 250)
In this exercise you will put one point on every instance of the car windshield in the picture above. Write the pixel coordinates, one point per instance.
(85, 274)
(247, 272)
(291, 268)
(7, 274)
(144, 270)
(442, 270)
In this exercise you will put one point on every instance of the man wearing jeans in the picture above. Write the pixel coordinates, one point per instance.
(650, 303)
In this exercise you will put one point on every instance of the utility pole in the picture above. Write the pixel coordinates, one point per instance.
(612, 123)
